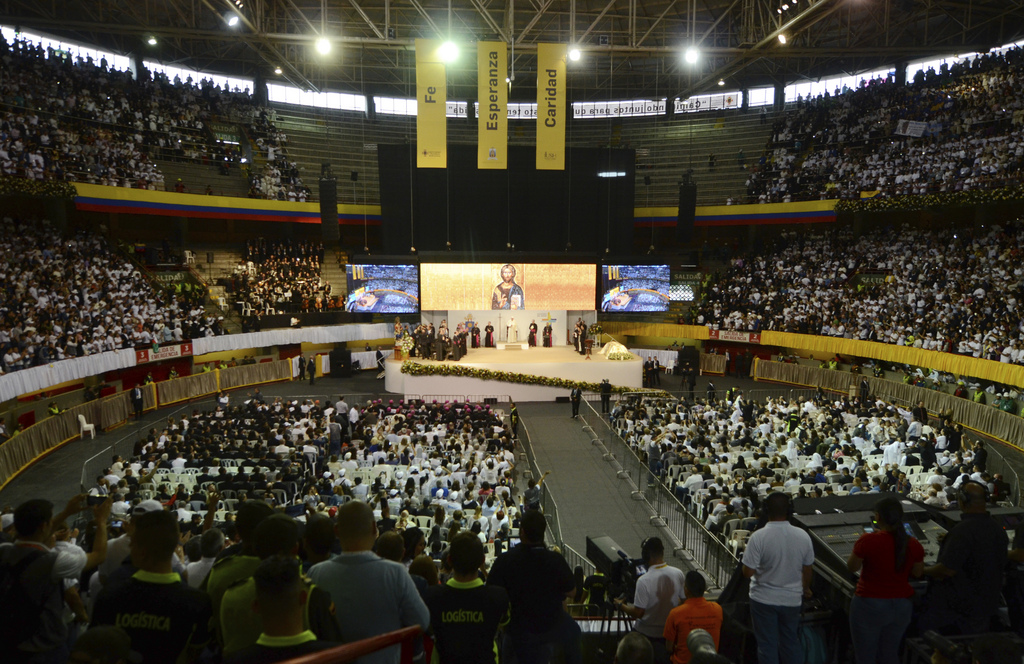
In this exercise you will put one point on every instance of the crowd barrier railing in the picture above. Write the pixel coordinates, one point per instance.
(38, 440)
(655, 503)
(350, 652)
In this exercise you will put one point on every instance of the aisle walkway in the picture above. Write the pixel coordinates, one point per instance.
(591, 500)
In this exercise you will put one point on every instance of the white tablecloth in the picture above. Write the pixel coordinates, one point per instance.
(666, 357)
(367, 359)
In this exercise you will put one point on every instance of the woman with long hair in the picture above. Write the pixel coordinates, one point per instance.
(886, 556)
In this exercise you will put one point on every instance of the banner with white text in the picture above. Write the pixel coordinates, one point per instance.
(492, 91)
(551, 117)
(431, 94)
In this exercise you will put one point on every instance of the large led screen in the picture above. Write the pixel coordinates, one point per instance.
(513, 286)
(634, 288)
(383, 289)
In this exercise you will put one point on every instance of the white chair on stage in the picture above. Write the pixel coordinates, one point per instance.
(83, 426)
(190, 257)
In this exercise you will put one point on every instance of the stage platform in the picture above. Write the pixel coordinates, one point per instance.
(558, 362)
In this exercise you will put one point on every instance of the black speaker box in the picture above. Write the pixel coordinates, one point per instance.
(561, 399)
(329, 208)
(687, 212)
(341, 363)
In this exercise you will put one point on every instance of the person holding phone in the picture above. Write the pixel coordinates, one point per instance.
(880, 611)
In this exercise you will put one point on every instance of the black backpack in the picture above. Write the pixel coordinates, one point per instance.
(25, 583)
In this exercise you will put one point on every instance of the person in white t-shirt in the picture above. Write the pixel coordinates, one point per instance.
(658, 591)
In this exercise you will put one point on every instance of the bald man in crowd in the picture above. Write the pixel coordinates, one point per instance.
(372, 595)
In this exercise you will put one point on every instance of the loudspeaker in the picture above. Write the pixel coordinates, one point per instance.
(687, 212)
(329, 208)
(647, 180)
(341, 363)
(354, 176)
(209, 257)
(371, 107)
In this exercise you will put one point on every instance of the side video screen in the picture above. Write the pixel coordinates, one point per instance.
(629, 288)
(385, 289)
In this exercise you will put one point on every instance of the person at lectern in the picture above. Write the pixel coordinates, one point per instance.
(511, 331)
(533, 334)
(489, 335)
(547, 335)
(508, 294)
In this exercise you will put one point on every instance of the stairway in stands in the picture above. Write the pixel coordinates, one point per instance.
(197, 176)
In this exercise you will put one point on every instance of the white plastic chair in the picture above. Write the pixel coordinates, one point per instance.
(190, 257)
(222, 303)
(246, 309)
(84, 426)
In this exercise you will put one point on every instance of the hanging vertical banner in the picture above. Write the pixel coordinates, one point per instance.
(551, 117)
(492, 91)
(431, 95)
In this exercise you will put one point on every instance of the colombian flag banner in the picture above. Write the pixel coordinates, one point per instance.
(431, 98)
(551, 117)
(491, 90)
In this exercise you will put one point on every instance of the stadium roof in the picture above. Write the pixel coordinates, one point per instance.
(630, 48)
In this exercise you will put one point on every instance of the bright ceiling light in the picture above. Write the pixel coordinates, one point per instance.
(151, 41)
(233, 20)
(448, 52)
(692, 55)
(278, 71)
(721, 81)
(323, 46)
(782, 39)
(574, 54)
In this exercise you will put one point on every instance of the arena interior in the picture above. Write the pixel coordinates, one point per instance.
(580, 327)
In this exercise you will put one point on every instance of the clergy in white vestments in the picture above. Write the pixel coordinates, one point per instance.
(512, 332)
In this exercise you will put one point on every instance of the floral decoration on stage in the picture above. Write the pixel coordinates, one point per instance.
(47, 188)
(595, 330)
(406, 344)
(932, 201)
(416, 369)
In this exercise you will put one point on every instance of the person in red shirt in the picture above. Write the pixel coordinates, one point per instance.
(695, 613)
(880, 610)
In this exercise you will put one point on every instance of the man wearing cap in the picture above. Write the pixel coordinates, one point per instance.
(164, 617)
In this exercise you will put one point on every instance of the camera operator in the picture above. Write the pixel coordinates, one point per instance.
(658, 591)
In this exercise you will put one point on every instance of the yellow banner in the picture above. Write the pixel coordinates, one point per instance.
(492, 91)
(551, 116)
(431, 95)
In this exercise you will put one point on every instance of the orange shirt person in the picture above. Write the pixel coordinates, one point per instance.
(695, 613)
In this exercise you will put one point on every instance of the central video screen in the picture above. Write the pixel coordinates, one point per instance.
(512, 286)
(382, 289)
(634, 288)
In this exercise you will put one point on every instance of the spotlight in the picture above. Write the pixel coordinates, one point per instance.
(278, 71)
(782, 39)
(574, 54)
(785, 7)
(721, 81)
(692, 55)
(779, 10)
(448, 52)
(151, 41)
(323, 46)
(233, 20)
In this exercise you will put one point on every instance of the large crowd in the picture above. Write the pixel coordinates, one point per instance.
(951, 291)
(838, 145)
(65, 296)
(411, 493)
